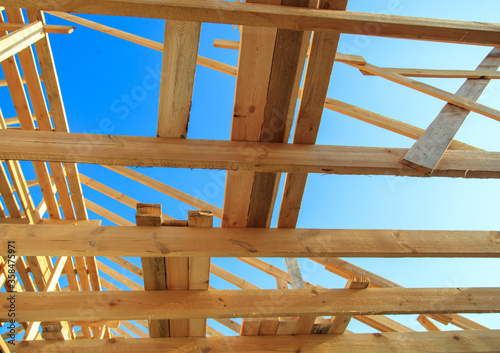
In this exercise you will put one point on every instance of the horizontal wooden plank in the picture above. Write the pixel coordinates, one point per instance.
(234, 155)
(453, 341)
(186, 304)
(281, 17)
(87, 240)
(46, 28)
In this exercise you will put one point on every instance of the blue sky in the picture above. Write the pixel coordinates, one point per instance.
(111, 86)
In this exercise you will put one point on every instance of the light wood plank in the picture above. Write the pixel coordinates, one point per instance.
(185, 304)
(232, 155)
(64, 240)
(15, 42)
(290, 18)
(177, 77)
(426, 153)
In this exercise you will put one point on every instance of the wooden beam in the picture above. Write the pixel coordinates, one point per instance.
(462, 102)
(46, 28)
(16, 41)
(57, 240)
(185, 304)
(234, 155)
(262, 15)
(177, 77)
(453, 341)
(426, 153)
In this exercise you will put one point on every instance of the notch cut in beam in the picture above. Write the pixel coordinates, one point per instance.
(234, 155)
(59, 240)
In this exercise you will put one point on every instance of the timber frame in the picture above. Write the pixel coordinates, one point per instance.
(51, 268)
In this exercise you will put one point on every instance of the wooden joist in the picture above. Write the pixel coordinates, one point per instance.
(235, 155)
(263, 15)
(56, 240)
(426, 153)
(186, 304)
(453, 341)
